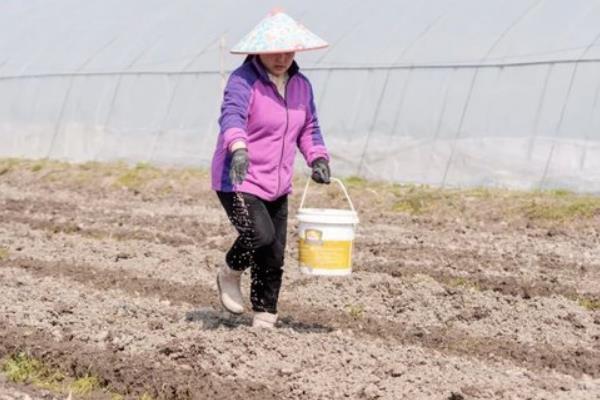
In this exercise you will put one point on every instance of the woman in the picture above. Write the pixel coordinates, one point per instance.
(268, 110)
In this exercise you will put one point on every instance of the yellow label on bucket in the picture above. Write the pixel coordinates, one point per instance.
(329, 254)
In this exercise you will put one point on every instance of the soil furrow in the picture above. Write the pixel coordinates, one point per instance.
(116, 233)
(180, 230)
(508, 285)
(515, 275)
(131, 375)
(467, 268)
(190, 223)
(197, 294)
(572, 361)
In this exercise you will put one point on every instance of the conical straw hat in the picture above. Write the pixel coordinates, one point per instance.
(278, 33)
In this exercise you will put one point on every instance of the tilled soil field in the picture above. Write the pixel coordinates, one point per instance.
(109, 271)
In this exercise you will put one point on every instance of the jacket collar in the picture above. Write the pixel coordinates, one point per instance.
(262, 71)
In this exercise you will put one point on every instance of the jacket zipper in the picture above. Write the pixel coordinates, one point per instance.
(284, 98)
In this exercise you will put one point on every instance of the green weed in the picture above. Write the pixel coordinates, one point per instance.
(417, 200)
(3, 254)
(85, 385)
(464, 283)
(143, 165)
(24, 369)
(567, 208)
(138, 176)
(7, 164)
(479, 193)
(36, 167)
(356, 311)
(90, 166)
(21, 368)
(559, 192)
(355, 181)
(589, 304)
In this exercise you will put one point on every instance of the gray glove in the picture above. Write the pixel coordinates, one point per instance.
(239, 166)
(320, 171)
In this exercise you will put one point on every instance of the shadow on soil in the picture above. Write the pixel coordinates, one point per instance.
(304, 327)
(211, 319)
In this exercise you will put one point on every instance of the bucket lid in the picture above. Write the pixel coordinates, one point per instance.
(328, 215)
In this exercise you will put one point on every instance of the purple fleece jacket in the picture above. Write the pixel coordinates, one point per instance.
(271, 126)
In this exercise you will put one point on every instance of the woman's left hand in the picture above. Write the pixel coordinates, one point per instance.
(320, 171)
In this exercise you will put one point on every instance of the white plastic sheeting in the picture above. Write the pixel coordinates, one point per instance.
(460, 93)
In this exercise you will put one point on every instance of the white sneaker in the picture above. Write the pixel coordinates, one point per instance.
(264, 320)
(228, 283)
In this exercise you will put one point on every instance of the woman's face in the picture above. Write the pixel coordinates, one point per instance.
(277, 63)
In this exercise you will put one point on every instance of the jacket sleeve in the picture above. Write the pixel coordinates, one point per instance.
(310, 141)
(234, 111)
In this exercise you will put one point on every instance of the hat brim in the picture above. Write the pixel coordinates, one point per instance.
(296, 50)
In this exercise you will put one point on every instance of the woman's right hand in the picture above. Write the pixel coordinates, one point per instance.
(239, 165)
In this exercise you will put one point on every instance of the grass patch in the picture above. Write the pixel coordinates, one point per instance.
(37, 167)
(3, 253)
(91, 166)
(589, 304)
(85, 385)
(21, 368)
(418, 199)
(141, 176)
(471, 206)
(564, 208)
(8, 164)
(557, 205)
(479, 193)
(411, 205)
(462, 282)
(45, 164)
(356, 311)
(560, 192)
(143, 166)
(137, 177)
(355, 181)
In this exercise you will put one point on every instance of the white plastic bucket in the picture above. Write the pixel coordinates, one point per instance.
(326, 237)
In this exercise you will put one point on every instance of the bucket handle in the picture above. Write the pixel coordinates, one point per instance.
(338, 181)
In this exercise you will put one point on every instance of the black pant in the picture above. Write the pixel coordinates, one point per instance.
(260, 246)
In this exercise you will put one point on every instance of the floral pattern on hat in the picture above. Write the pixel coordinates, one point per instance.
(278, 33)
